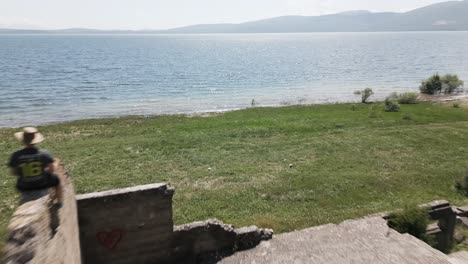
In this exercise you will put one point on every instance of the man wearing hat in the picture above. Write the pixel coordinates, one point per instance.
(34, 168)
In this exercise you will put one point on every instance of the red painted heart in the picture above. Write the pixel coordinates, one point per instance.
(111, 239)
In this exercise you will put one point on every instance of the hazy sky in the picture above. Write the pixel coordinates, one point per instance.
(161, 14)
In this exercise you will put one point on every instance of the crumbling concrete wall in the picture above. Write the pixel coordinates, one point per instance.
(212, 240)
(40, 234)
(132, 225)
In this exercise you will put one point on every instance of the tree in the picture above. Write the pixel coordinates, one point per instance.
(447, 84)
(432, 85)
(366, 93)
(451, 83)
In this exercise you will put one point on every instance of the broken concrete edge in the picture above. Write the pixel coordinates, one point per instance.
(211, 240)
(244, 235)
(163, 188)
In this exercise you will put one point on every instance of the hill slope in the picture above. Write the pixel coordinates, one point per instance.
(444, 16)
(449, 16)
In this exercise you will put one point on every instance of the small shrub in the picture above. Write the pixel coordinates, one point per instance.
(373, 111)
(456, 105)
(353, 107)
(366, 94)
(451, 83)
(253, 103)
(408, 116)
(432, 85)
(357, 92)
(412, 220)
(462, 184)
(408, 98)
(391, 105)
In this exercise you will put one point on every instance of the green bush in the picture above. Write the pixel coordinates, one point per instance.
(373, 111)
(412, 220)
(391, 104)
(408, 98)
(432, 85)
(462, 183)
(456, 105)
(408, 116)
(451, 83)
(447, 84)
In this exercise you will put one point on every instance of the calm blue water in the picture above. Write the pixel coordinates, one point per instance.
(49, 78)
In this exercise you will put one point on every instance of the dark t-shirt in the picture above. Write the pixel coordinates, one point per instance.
(30, 164)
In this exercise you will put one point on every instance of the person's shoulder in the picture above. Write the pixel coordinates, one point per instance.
(14, 156)
(45, 152)
(17, 153)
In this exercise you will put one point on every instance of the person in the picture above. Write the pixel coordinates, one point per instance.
(34, 168)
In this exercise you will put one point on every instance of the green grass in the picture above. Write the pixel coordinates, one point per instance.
(345, 164)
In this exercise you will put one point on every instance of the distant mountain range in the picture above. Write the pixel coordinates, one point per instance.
(446, 16)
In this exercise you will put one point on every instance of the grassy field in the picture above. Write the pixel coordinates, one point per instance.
(236, 166)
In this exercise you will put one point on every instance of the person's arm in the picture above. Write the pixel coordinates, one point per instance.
(12, 165)
(50, 168)
(49, 160)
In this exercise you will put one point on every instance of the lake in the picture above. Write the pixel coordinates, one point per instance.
(56, 78)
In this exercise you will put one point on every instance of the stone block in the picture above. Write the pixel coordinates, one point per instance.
(131, 225)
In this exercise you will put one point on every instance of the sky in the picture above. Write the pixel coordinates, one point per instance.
(164, 14)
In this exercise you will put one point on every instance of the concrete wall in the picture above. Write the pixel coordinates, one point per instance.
(132, 225)
(31, 235)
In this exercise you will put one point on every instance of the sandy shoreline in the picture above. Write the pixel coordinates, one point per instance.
(461, 98)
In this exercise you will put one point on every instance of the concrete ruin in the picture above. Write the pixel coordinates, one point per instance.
(135, 225)
(131, 225)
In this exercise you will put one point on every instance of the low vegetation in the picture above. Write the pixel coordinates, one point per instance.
(345, 164)
(408, 98)
(462, 183)
(412, 220)
(437, 84)
(391, 104)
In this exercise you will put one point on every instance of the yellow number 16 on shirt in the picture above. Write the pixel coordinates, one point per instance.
(31, 169)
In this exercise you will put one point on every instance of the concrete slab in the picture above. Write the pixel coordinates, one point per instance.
(460, 257)
(367, 240)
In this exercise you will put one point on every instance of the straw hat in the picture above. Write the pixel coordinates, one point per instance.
(29, 136)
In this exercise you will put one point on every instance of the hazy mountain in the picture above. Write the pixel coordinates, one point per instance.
(451, 15)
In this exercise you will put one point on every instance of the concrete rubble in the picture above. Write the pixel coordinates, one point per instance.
(211, 240)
